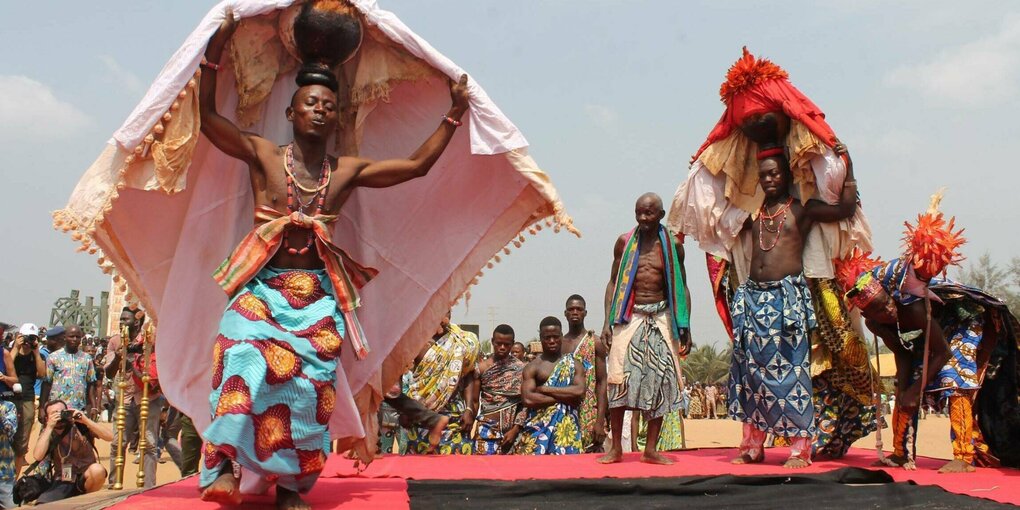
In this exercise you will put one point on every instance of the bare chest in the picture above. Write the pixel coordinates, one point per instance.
(273, 188)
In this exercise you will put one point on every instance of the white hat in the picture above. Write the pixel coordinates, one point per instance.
(28, 329)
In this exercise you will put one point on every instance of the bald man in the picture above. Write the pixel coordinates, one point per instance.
(647, 327)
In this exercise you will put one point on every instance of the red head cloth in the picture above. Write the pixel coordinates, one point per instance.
(756, 86)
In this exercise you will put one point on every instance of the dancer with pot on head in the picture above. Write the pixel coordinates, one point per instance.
(293, 292)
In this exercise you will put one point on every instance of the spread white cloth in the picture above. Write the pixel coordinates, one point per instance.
(429, 237)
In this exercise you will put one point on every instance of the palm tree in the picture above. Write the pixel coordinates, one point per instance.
(707, 364)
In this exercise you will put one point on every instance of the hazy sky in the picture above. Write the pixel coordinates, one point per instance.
(613, 96)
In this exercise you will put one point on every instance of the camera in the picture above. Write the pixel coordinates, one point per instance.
(67, 415)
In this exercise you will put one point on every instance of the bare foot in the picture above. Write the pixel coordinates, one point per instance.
(656, 458)
(362, 455)
(747, 459)
(957, 466)
(224, 490)
(436, 434)
(796, 463)
(290, 500)
(896, 461)
(611, 457)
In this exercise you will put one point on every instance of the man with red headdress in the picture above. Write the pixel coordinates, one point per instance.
(951, 339)
(767, 117)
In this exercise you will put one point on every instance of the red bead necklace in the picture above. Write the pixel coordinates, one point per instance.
(767, 221)
(294, 203)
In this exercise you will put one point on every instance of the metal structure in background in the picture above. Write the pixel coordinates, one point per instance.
(91, 317)
(118, 479)
(148, 336)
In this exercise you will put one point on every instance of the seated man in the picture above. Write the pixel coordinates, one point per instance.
(499, 416)
(443, 382)
(552, 390)
(76, 469)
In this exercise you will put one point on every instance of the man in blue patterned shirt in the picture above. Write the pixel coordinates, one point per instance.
(71, 374)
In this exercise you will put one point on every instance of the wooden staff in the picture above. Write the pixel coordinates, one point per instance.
(118, 479)
(143, 413)
(877, 400)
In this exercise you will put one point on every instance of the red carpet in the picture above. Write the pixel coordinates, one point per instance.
(382, 485)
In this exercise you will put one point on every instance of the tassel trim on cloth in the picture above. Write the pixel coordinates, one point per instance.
(159, 162)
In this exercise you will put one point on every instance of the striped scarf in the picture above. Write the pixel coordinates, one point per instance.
(623, 295)
(346, 275)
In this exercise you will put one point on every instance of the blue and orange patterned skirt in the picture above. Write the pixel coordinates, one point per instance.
(274, 370)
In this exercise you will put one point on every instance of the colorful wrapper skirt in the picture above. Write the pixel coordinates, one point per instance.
(770, 374)
(553, 430)
(274, 369)
(671, 436)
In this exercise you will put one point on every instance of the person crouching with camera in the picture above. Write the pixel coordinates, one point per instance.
(74, 461)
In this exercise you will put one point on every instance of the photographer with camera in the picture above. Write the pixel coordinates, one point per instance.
(67, 444)
(29, 367)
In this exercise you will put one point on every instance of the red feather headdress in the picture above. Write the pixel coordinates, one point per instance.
(748, 71)
(931, 245)
(848, 271)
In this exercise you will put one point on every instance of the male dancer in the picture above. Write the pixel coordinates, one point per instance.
(293, 291)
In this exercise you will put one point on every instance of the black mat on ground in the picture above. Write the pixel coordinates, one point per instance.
(853, 488)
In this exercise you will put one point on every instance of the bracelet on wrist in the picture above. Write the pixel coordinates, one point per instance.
(209, 65)
(452, 121)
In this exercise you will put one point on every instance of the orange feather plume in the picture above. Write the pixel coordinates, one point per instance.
(746, 72)
(932, 245)
(850, 269)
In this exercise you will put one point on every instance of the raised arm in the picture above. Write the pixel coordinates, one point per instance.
(607, 327)
(221, 131)
(819, 211)
(390, 172)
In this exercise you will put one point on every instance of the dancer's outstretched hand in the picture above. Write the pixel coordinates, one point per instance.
(459, 97)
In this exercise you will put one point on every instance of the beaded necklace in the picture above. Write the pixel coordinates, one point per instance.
(767, 221)
(294, 203)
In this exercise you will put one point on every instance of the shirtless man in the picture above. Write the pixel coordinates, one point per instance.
(649, 316)
(773, 315)
(552, 390)
(590, 349)
(298, 190)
